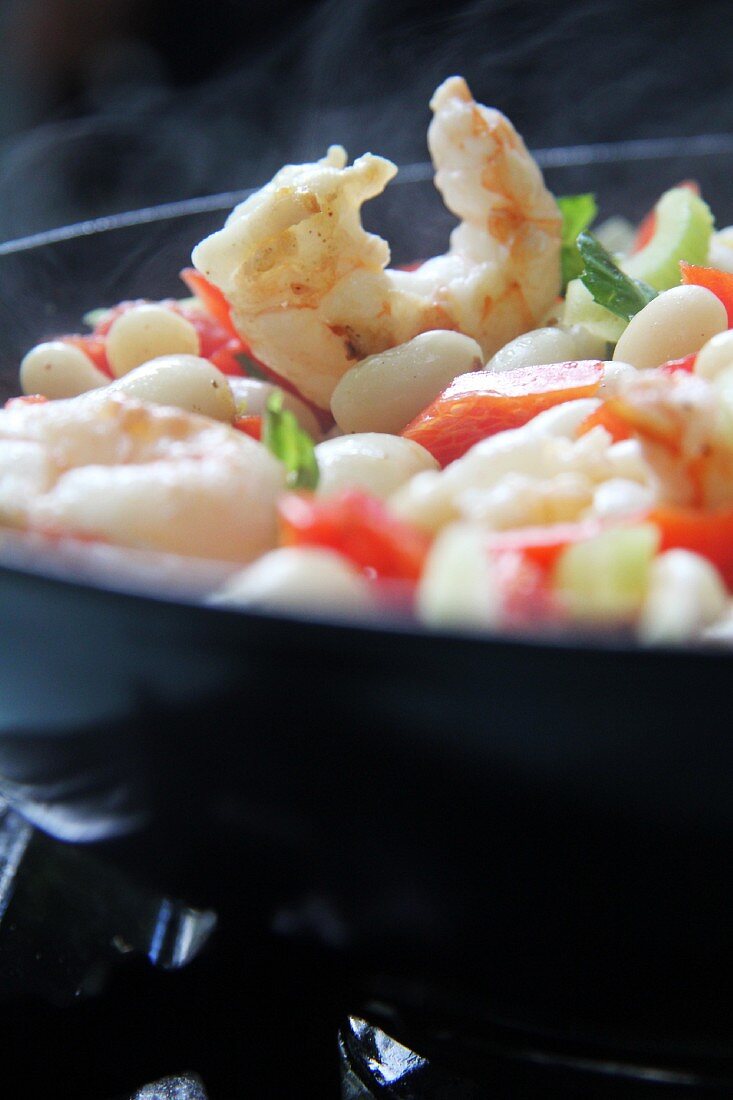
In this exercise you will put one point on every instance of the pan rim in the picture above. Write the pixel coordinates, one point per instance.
(641, 149)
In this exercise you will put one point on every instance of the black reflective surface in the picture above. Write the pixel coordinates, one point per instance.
(481, 832)
(376, 1067)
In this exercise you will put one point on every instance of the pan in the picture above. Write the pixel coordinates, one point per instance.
(534, 833)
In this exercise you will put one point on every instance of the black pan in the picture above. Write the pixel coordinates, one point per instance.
(530, 833)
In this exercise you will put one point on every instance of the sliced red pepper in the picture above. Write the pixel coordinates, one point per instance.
(211, 298)
(482, 403)
(226, 357)
(542, 545)
(648, 224)
(672, 366)
(605, 417)
(250, 425)
(359, 527)
(709, 534)
(212, 335)
(720, 282)
(94, 347)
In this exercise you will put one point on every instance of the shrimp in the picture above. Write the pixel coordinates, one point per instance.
(684, 427)
(105, 466)
(310, 289)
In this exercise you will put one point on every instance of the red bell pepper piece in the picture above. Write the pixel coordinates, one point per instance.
(211, 298)
(359, 527)
(250, 425)
(94, 347)
(672, 366)
(607, 418)
(709, 534)
(482, 403)
(226, 357)
(542, 545)
(212, 335)
(720, 282)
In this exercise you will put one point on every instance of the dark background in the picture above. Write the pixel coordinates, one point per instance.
(106, 106)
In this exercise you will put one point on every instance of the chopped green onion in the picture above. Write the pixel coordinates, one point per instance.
(284, 437)
(616, 292)
(578, 212)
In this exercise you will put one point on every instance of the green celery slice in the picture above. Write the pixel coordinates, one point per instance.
(606, 577)
(684, 226)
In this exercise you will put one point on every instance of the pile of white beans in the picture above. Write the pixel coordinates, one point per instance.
(540, 473)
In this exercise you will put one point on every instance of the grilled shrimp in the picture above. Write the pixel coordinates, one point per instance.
(684, 424)
(107, 467)
(309, 287)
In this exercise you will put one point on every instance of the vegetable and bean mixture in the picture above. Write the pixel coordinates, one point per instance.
(533, 431)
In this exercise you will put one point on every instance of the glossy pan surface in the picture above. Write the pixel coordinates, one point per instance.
(534, 832)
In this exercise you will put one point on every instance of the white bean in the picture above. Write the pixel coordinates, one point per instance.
(676, 323)
(57, 370)
(146, 332)
(685, 594)
(183, 382)
(613, 370)
(302, 578)
(251, 396)
(373, 461)
(458, 586)
(385, 391)
(715, 355)
(532, 349)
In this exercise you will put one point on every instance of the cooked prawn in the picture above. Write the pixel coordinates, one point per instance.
(108, 467)
(684, 429)
(308, 286)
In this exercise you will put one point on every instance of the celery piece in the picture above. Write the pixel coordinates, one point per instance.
(606, 577)
(581, 309)
(684, 226)
(683, 230)
(94, 316)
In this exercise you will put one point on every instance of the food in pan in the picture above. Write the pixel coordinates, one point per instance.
(531, 431)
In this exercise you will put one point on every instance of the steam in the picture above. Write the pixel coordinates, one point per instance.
(361, 74)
